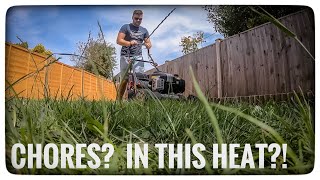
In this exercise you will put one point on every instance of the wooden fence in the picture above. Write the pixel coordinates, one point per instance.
(259, 61)
(56, 80)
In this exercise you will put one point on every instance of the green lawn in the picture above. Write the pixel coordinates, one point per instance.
(165, 121)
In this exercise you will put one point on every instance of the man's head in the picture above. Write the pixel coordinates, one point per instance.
(137, 17)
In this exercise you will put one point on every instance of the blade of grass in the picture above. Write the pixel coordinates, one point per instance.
(208, 108)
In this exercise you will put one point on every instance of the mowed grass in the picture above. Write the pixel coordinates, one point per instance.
(165, 121)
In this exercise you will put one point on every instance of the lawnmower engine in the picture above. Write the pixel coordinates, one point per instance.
(166, 83)
(163, 85)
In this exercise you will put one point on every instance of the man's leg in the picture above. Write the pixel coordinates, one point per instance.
(123, 77)
(138, 66)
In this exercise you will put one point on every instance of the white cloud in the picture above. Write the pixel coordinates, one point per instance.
(183, 19)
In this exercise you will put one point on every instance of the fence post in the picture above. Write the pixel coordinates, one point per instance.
(72, 83)
(219, 78)
(7, 58)
(97, 81)
(28, 69)
(46, 86)
(102, 90)
(82, 93)
(90, 94)
(60, 87)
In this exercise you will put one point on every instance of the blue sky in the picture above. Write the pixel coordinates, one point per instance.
(60, 28)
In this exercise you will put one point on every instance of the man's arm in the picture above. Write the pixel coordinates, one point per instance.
(122, 42)
(147, 42)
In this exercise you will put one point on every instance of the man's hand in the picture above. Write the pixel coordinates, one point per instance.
(148, 45)
(133, 43)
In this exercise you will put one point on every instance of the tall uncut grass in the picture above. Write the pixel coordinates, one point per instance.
(82, 121)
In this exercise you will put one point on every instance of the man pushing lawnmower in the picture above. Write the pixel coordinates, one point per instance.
(131, 37)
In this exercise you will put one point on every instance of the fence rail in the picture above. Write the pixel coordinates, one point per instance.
(259, 61)
(56, 80)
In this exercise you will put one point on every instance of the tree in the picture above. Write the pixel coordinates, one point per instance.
(230, 20)
(47, 52)
(39, 48)
(190, 44)
(23, 44)
(96, 54)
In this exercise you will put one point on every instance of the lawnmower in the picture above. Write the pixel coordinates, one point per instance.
(158, 84)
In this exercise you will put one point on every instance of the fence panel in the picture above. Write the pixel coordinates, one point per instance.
(259, 61)
(57, 80)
